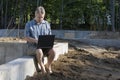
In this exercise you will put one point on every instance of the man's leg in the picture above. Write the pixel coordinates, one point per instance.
(39, 55)
(51, 57)
(36, 63)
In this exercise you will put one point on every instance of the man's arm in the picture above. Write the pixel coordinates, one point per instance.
(49, 28)
(31, 40)
(27, 34)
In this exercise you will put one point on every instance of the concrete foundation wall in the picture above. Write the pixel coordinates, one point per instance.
(100, 38)
(11, 50)
(19, 68)
(101, 42)
(68, 34)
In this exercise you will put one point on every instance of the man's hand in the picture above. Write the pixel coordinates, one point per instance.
(31, 40)
(36, 41)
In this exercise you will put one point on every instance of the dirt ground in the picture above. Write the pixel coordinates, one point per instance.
(11, 39)
(82, 65)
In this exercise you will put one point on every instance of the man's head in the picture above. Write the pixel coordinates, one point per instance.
(39, 13)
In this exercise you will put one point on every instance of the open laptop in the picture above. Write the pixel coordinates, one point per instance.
(45, 41)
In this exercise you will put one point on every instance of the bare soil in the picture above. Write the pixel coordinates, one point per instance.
(82, 65)
(11, 39)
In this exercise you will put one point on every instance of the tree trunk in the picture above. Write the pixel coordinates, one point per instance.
(61, 16)
(38, 2)
(112, 7)
(5, 23)
(2, 14)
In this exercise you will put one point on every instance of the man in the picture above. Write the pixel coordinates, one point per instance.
(34, 28)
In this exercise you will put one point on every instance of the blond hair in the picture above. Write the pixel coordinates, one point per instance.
(40, 10)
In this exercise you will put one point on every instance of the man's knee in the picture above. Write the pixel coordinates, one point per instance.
(39, 52)
(52, 52)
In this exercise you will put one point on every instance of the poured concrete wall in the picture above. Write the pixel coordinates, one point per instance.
(11, 50)
(100, 38)
(19, 68)
(68, 34)
(75, 34)
(101, 42)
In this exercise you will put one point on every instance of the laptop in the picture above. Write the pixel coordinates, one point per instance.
(45, 41)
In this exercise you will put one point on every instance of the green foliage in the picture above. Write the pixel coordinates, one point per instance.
(74, 14)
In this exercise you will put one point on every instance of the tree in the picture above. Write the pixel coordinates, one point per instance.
(62, 14)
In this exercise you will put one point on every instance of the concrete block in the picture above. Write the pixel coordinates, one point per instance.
(69, 35)
(14, 52)
(101, 42)
(59, 48)
(11, 50)
(17, 69)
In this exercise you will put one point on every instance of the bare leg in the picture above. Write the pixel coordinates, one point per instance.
(39, 55)
(50, 60)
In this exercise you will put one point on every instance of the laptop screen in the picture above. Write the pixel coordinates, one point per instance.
(45, 41)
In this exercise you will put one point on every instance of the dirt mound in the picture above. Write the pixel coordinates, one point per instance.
(10, 39)
(81, 65)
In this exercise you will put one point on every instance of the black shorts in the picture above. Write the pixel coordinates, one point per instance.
(46, 51)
